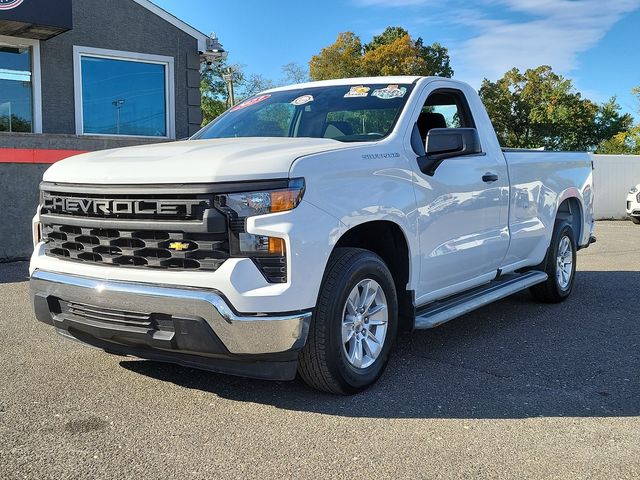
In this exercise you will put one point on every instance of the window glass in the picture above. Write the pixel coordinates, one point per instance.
(271, 121)
(16, 111)
(121, 97)
(444, 109)
(449, 114)
(347, 113)
(448, 110)
(359, 122)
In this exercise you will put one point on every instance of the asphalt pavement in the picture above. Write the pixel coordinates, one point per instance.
(517, 389)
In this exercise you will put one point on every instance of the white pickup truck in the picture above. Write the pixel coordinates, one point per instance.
(303, 228)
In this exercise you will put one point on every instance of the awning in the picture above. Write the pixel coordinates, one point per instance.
(37, 19)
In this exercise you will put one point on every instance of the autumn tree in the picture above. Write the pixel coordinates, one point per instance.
(341, 59)
(539, 108)
(393, 52)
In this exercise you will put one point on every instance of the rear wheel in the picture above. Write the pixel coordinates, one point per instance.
(354, 324)
(559, 264)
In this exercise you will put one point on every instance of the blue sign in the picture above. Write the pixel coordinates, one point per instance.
(9, 4)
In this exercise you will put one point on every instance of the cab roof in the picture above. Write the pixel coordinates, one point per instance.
(349, 81)
(391, 80)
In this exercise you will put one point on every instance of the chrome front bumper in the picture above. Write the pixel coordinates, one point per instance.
(254, 334)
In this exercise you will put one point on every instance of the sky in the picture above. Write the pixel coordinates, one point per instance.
(593, 42)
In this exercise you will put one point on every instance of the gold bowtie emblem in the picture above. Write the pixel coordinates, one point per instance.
(178, 246)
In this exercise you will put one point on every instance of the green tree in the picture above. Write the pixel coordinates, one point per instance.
(435, 57)
(626, 142)
(539, 108)
(14, 124)
(214, 91)
(400, 57)
(390, 35)
(393, 52)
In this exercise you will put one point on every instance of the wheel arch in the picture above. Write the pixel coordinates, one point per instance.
(388, 240)
(571, 209)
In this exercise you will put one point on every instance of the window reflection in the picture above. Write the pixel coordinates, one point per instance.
(121, 97)
(16, 111)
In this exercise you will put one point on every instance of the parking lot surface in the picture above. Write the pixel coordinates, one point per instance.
(514, 390)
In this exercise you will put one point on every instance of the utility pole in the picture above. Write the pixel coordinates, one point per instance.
(228, 79)
(118, 104)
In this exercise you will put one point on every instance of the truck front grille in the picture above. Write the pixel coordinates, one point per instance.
(161, 227)
(171, 227)
(137, 248)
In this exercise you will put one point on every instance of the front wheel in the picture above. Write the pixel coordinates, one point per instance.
(354, 324)
(560, 265)
(635, 220)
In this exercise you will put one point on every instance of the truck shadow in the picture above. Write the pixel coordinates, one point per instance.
(514, 359)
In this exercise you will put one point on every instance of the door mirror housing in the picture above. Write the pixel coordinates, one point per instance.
(443, 143)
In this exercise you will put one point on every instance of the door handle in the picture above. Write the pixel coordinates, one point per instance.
(489, 177)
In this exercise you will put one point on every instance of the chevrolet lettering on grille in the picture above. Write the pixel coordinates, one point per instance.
(78, 205)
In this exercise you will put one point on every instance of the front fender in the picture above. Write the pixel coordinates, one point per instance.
(360, 185)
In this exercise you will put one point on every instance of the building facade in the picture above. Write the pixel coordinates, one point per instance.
(83, 75)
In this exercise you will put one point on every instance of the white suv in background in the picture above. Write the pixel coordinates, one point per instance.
(633, 204)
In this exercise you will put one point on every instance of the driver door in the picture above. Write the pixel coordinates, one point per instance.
(462, 207)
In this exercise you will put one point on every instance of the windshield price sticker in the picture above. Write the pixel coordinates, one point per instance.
(251, 101)
(390, 92)
(303, 100)
(360, 91)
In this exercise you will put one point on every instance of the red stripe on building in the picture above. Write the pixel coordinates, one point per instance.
(32, 155)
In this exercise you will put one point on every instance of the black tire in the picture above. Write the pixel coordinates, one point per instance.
(635, 220)
(323, 362)
(552, 291)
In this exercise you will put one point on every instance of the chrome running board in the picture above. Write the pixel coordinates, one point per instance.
(442, 311)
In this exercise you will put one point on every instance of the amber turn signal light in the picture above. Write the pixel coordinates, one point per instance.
(277, 246)
(284, 200)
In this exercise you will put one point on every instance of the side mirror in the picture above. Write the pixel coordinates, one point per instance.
(443, 143)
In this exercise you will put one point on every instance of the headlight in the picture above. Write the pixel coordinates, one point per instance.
(260, 203)
(268, 253)
(633, 190)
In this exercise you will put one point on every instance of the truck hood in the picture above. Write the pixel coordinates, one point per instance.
(193, 161)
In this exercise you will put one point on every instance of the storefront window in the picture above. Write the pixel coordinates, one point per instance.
(16, 104)
(123, 97)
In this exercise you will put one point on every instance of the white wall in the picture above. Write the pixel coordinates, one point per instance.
(613, 176)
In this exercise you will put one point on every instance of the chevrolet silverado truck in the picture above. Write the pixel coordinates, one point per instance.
(303, 228)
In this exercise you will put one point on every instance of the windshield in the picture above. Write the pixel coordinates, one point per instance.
(348, 113)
